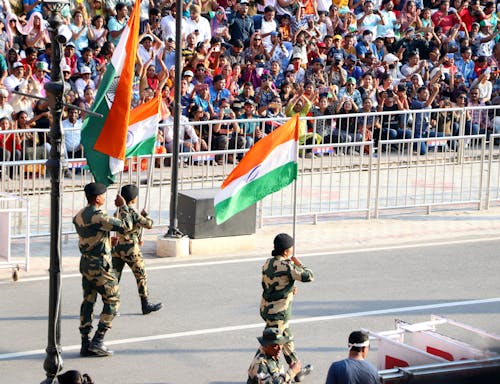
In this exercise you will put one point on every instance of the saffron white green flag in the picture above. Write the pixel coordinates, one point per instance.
(142, 131)
(104, 139)
(270, 165)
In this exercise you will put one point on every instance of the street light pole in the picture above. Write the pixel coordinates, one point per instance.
(173, 231)
(55, 91)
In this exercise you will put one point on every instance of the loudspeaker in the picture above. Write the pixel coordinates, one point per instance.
(196, 216)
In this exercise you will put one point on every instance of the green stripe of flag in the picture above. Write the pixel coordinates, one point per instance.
(255, 190)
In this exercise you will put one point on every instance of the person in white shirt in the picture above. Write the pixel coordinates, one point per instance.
(268, 26)
(167, 24)
(72, 127)
(16, 78)
(5, 108)
(190, 142)
(84, 81)
(149, 47)
(197, 23)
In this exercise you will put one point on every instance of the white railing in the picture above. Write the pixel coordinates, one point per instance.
(363, 178)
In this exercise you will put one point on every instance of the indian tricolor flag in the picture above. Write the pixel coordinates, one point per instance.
(104, 139)
(270, 165)
(142, 130)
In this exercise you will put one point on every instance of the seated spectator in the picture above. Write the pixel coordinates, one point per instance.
(71, 57)
(286, 91)
(97, 32)
(302, 105)
(484, 85)
(423, 126)
(324, 127)
(247, 93)
(278, 50)
(316, 72)
(80, 31)
(265, 93)
(36, 31)
(10, 144)
(17, 78)
(469, 127)
(72, 133)
(219, 25)
(273, 112)
(250, 130)
(346, 130)
(41, 76)
(87, 60)
(188, 137)
(350, 91)
(6, 109)
(224, 135)
(84, 81)
(202, 99)
(117, 23)
(15, 33)
(218, 92)
(32, 147)
(351, 67)
(30, 60)
(365, 45)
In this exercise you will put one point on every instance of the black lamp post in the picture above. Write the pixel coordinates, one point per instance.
(173, 231)
(55, 91)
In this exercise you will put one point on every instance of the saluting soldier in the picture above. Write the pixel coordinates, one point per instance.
(266, 367)
(93, 227)
(128, 247)
(279, 274)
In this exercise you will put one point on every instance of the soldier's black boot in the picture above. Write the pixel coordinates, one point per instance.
(97, 345)
(148, 307)
(84, 350)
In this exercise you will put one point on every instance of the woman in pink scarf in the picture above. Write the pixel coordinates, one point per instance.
(36, 31)
(14, 31)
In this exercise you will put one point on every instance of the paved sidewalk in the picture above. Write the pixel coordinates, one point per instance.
(333, 235)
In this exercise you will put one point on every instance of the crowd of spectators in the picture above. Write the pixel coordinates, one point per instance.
(266, 59)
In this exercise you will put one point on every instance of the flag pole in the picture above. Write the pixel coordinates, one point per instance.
(146, 199)
(294, 209)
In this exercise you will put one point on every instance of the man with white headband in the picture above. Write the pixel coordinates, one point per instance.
(355, 369)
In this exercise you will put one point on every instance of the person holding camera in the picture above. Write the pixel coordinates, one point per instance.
(337, 75)
(370, 18)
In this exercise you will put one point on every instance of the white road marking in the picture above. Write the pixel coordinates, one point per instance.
(14, 355)
(254, 259)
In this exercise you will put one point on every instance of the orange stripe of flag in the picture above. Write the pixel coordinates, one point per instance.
(145, 110)
(113, 137)
(262, 148)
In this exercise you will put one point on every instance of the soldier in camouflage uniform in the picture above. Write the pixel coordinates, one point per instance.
(93, 227)
(266, 367)
(127, 249)
(279, 274)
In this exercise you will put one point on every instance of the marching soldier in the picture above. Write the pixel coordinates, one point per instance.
(128, 251)
(279, 274)
(266, 367)
(93, 227)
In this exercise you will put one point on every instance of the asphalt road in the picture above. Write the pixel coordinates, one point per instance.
(207, 331)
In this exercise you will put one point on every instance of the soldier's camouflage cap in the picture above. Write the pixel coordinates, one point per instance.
(272, 336)
(94, 189)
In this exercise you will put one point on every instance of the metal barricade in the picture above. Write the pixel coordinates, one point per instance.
(356, 175)
(14, 222)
